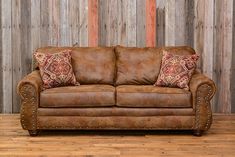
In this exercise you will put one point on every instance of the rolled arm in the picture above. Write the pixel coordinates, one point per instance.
(29, 89)
(203, 89)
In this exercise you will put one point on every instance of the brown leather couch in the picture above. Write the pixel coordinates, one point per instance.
(116, 92)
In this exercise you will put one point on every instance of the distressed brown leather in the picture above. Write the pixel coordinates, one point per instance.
(78, 96)
(203, 89)
(117, 122)
(139, 66)
(29, 89)
(91, 65)
(152, 96)
(115, 111)
(117, 92)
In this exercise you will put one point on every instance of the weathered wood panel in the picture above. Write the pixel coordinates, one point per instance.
(54, 20)
(93, 22)
(150, 23)
(140, 23)
(74, 21)
(1, 55)
(199, 12)
(44, 22)
(131, 22)
(170, 23)
(16, 54)
(122, 22)
(7, 56)
(226, 55)
(160, 14)
(207, 56)
(233, 65)
(83, 20)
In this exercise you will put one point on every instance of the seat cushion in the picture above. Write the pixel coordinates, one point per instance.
(78, 96)
(151, 96)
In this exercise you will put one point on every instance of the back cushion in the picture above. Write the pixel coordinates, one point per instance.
(137, 65)
(91, 65)
(141, 66)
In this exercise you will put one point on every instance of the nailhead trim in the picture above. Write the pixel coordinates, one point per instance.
(206, 102)
(29, 96)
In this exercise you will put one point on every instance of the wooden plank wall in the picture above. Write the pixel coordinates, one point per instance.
(26, 25)
(207, 26)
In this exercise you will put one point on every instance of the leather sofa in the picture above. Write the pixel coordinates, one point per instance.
(116, 92)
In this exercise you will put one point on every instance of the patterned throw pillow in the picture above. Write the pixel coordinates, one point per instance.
(176, 70)
(56, 69)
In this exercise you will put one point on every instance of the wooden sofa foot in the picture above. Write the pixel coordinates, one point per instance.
(197, 133)
(33, 132)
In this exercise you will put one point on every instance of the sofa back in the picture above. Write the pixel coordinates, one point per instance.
(141, 66)
(91, 65)
(117, 65)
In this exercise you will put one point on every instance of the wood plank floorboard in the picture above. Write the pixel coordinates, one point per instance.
(219, 141)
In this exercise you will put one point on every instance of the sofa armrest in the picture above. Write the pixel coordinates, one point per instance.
(29, 89)
(203, 89)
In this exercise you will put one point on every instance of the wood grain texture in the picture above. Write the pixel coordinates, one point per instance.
(7, 56)
(16, 54)
(140, 23)
(170, 23)
(131, 23)
(218, 141)
(225, 96)
(1, 55)
(233, 65)
(207, 57)
(112, 27)
(93, 22)
(83, 20)
(35, 27)
(102, 22)
(150, 23)
(160, 26)
(190, 22)
(180, 22)
(25, 33)
(44, 22)
(54, 20)
(199, 12)
(65, 36)
(122, 22)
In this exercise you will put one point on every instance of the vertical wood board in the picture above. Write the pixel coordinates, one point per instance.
(93, 22)
(150, 23)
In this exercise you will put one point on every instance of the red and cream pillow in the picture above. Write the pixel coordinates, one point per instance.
(56, 69)
(176, 70)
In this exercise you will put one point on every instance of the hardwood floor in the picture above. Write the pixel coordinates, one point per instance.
(219, 141)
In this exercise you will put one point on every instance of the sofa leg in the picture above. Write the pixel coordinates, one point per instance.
(197, 133)
(33, 132)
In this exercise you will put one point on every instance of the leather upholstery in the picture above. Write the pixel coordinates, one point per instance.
(133, 104)
(29, 89)
(78, 96)
(141, 66)
(117, 122)
(152, 96)
(138, 66)
(91, 65)
(203, 89)
(115, 111)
